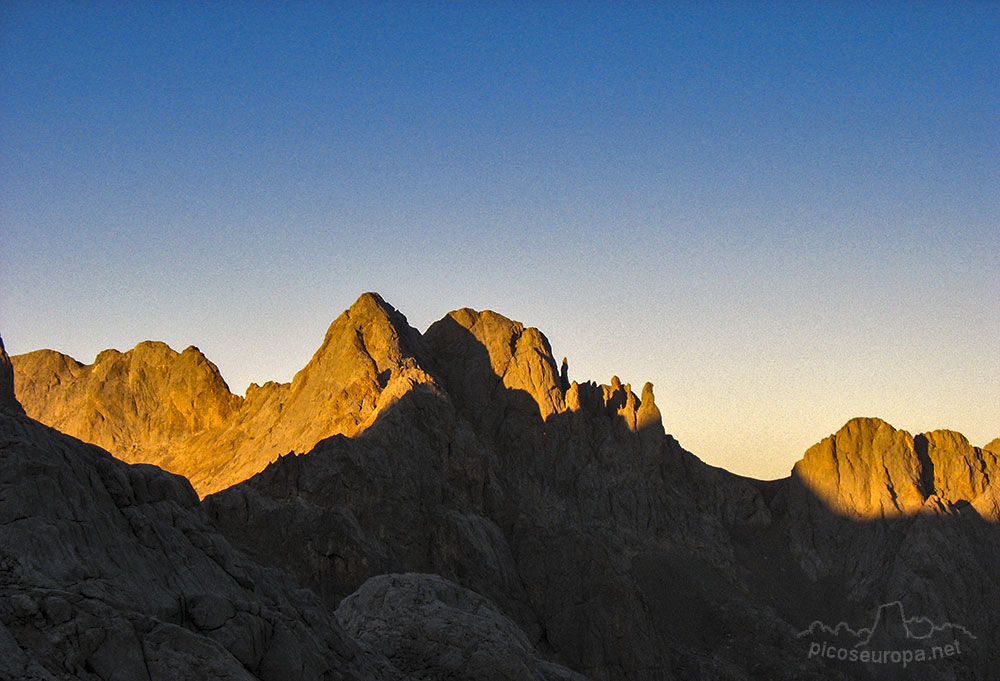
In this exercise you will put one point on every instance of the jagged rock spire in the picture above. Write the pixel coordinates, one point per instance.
(8, 401)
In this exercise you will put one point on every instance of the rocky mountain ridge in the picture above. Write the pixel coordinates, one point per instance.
(110, 571)
(154, 405)
(464, 452)
(174, 410)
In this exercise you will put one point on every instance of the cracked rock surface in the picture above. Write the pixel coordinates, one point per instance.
(436, 630)
(563, 523)
(110, 571)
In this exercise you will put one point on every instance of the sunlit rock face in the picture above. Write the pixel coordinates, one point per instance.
(868, 469)
(958, 473)
(140, 404)
(556, 518)
(154, 405)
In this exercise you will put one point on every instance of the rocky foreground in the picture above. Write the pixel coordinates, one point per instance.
(447, 505)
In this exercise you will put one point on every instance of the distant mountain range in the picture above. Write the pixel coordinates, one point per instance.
(446, 505)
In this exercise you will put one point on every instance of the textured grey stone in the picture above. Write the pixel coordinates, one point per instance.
(568, 508)
(435, 630)
(110, 571)
(8, 402)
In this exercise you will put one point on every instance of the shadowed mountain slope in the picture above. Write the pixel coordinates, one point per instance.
(114, 572)
(110, 571)
(464, 453)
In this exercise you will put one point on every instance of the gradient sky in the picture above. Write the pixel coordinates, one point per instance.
(784, 215)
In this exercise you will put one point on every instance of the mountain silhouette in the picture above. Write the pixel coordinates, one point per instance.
(424, 496)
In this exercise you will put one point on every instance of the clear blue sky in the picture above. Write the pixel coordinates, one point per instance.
(783, 214)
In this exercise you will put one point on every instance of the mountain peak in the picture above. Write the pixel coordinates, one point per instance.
(371, 314)
(867, 468)
(370, 329)
(488, 359)
(152, 347)
(369, 356)
(870, 469)
(954, 469)
(370, 303)
(131, 403)
(156, 405)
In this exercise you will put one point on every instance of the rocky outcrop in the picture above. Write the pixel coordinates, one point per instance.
(8, 402)
(409, 494)
(154, 405)
(588, 525)
(366, 362)
(555, 506)
(874, 515)
(110, 571)
(143, 404)
(868, 469)
(565, 525)
(433, 629)
(492, 363)
(957, 473)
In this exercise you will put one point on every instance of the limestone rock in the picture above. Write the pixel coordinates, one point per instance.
(434, 629)
(594, 540)
(648, 415)
(957, 472)
(407, 494)
(110, 571)
(462, 476)
(8, 402)
(143, 404)
(154, 405)
(483, 357)
(369, 350)
(868, 468)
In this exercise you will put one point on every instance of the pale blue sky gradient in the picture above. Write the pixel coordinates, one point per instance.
(784, 214)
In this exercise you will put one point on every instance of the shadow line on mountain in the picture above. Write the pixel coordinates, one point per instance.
(534, 460)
